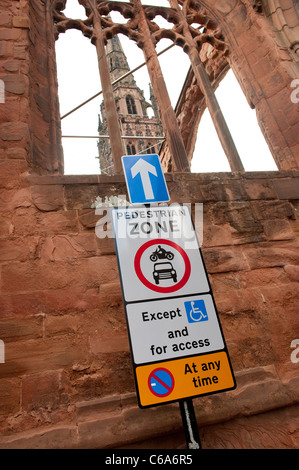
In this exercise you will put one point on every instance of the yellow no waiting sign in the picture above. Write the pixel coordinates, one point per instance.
(174, 380)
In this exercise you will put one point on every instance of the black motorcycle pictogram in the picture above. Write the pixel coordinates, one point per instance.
(161, 253)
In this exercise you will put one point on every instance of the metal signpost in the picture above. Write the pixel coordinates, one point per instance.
(177, 345)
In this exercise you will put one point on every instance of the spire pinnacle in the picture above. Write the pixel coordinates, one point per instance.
(117, 60)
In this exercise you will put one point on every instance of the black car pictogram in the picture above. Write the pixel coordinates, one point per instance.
(164, 271)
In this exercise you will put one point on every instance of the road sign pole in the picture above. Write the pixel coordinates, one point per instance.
(189, 424)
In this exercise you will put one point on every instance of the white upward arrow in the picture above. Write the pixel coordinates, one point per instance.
(144, 168)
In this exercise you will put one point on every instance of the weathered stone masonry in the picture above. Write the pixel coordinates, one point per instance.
(67, 380)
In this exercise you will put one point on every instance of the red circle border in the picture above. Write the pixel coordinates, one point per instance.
(148, 284)
(152, 391)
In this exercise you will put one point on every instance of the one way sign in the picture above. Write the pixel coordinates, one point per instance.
(145, 179)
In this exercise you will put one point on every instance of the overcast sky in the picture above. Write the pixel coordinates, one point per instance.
(78, 79)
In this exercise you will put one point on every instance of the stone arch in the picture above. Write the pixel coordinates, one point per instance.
(254, 57)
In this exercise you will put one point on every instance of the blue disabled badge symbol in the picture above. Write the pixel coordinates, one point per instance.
(196, 311)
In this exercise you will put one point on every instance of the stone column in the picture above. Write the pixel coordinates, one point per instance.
(110, 108)
(168, 117)
(210, 97)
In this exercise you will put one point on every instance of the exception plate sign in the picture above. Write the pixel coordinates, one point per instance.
(165, 329)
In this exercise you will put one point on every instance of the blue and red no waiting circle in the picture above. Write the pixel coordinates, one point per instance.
(161, 382)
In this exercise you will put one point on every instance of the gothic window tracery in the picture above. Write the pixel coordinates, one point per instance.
(192, 27)
(150, 148)
(131, 150)
(140, 25)
(131, 106)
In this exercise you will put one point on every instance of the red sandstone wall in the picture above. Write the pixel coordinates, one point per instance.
(67, 378)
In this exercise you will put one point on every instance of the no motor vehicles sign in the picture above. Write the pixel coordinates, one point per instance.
(158, 253)
(177, 345)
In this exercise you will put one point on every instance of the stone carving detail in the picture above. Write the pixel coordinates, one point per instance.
(209, 31)
(257, 5)
(190, 27)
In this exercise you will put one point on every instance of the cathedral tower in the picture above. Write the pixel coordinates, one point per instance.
(140, 130)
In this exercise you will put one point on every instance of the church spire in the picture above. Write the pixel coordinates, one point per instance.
(142, 132)
(117, 60)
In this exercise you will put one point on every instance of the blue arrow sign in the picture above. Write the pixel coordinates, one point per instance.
(145, 179)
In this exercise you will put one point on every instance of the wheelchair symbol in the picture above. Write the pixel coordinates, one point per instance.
(196, 311)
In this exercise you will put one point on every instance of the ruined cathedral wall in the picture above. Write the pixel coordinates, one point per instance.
(262, 39)
(66, 377)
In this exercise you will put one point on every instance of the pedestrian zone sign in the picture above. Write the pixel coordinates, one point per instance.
(145, 179)
(177, 345)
